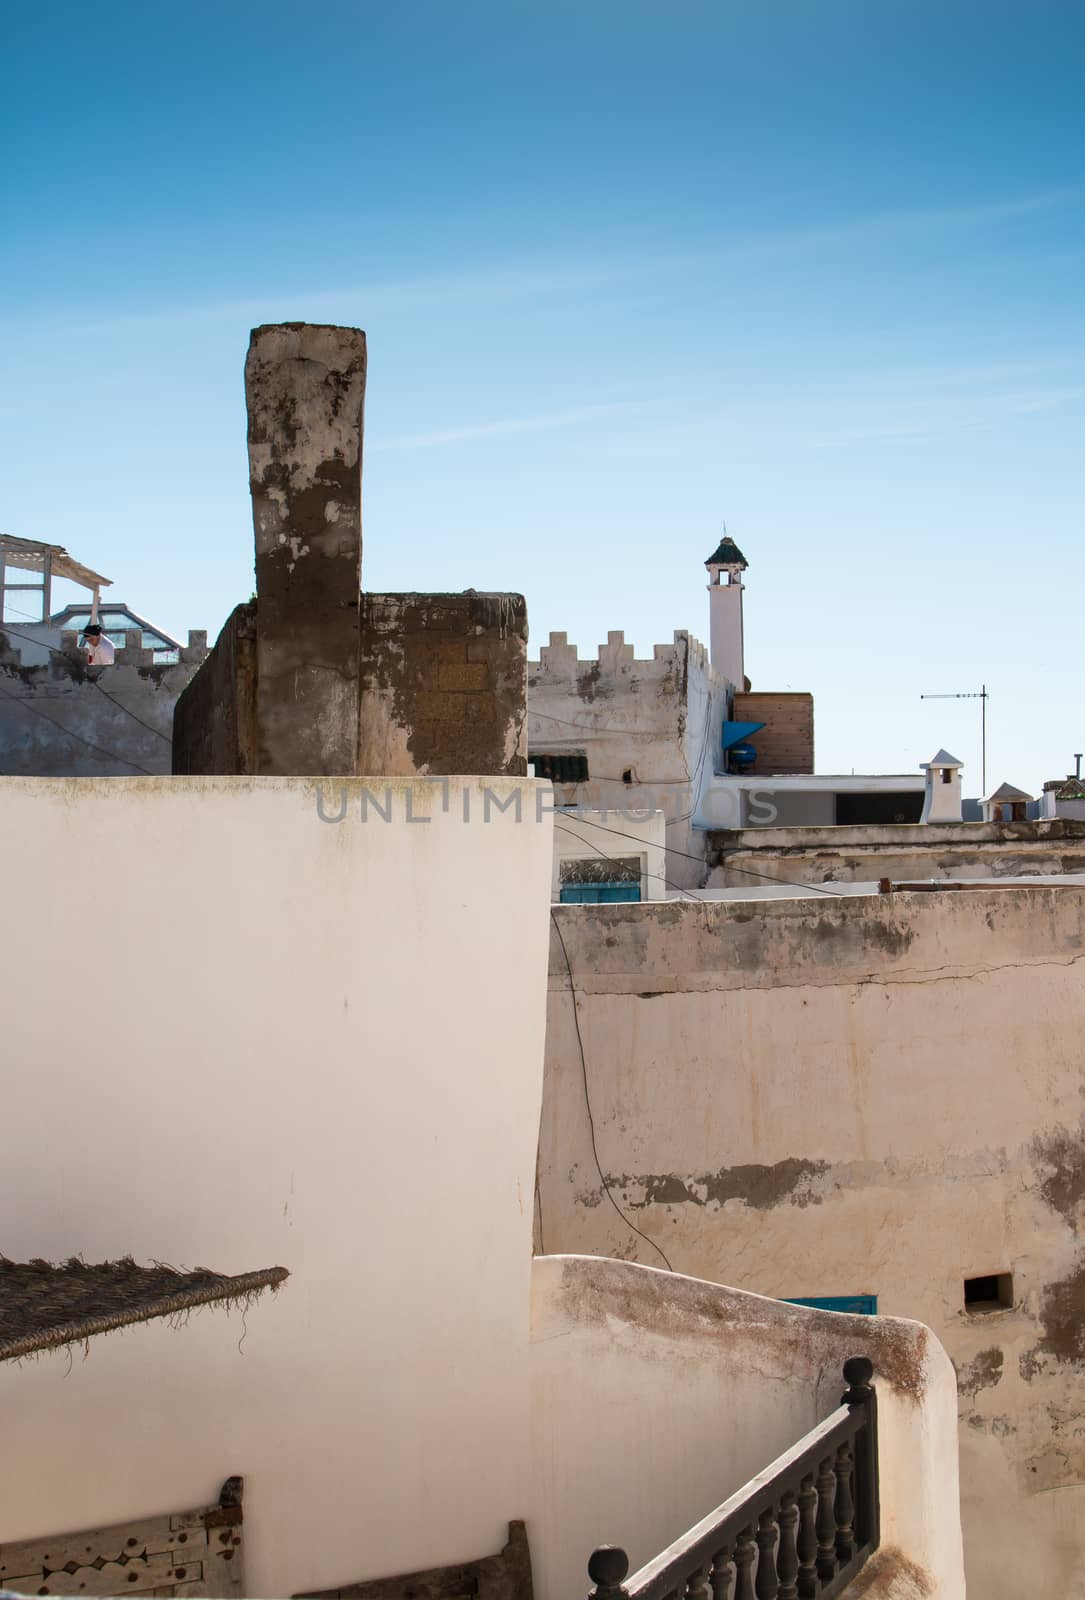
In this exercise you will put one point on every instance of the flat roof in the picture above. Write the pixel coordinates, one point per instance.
(28, 555)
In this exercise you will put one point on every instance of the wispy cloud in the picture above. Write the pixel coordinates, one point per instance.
(907, 220)
(536, 277)
(505, 425)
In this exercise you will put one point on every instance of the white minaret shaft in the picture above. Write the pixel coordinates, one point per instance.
(727, 645)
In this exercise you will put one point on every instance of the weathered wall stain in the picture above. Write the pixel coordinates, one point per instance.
(1062, 1151)
(754, 1184)
(904, 852)
(983, 1372)
(443, 684)
(795, 942)
(689, 1311)
(890, 1575)
(1063, 1315)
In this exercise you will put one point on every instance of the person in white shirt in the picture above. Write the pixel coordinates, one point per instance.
(99, 649)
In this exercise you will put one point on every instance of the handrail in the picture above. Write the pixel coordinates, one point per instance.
(800, 1530)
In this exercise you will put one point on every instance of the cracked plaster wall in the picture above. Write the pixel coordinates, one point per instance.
(909, 852)
(882, 1096)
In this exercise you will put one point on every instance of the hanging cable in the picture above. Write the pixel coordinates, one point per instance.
(110, 755)
(815, 888)
(587, 1101)
(564, 828)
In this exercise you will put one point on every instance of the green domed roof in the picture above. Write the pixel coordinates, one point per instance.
(727, 554)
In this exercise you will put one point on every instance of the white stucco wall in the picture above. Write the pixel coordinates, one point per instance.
(755, 803)
(288, 1043)
(855, 1096)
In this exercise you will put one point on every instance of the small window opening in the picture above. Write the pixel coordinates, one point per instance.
(947, 775)
(992, 1293)
(627, 775)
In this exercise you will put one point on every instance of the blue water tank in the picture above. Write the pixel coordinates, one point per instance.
(743, 755)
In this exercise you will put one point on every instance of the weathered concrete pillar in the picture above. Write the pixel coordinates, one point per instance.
(305, 391)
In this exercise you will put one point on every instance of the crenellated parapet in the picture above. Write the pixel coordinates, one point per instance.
(560, 659)
(615, 662)
(132, 652)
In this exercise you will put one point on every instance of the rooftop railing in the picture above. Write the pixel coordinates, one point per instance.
(801, 1530)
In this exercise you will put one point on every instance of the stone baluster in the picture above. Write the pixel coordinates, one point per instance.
(767, 1586)
(696, 1585)
(787, 1558)
(859, 1394)
(844, 1506)
(745, 1555)
(807, 1542)
(720, 1575)
(826, 1521)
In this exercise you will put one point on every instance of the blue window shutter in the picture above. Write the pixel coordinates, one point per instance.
(595, 894)
(863, 1305)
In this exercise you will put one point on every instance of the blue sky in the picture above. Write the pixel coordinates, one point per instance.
(626, 270)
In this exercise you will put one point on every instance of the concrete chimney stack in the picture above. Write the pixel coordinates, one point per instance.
(305, 391)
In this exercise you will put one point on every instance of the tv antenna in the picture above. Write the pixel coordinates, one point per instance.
(982, 696)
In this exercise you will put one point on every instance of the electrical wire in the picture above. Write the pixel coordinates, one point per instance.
(587, 1101)
(747, 872)
(110, 755)
(563, 828)
(694, 777)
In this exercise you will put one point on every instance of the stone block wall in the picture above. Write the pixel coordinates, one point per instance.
(443, 684)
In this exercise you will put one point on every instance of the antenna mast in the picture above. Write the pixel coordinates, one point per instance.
(983, 698)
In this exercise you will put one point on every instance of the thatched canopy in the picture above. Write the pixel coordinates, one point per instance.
(44, 1305)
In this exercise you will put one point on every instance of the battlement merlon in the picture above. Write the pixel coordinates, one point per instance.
(131, 653)
(560, 659)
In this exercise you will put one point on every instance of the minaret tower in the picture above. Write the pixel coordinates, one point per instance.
(725, 610)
